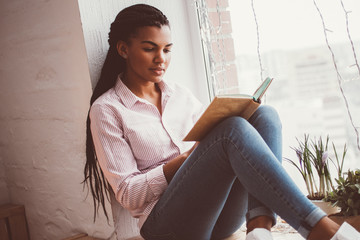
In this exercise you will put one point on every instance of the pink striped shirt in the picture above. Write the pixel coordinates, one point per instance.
(133, 141)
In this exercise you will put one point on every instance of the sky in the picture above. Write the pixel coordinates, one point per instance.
(291, 23)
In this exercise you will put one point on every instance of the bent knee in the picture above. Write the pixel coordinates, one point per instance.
(234, 121)
(268, 114)
(267, 109)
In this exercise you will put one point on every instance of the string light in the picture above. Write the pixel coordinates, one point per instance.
(208, 33)
(218, 67)
(349, 36)
(205, 34)
(258, 40)
(339, 78)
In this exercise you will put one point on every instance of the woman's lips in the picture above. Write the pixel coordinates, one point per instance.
(158, 71)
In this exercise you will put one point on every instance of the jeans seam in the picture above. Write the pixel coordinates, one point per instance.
(216, 141)
(265, 179)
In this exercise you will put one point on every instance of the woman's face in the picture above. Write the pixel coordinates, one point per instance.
(147, 54)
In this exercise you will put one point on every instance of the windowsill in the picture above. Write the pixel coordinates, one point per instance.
(281, 231)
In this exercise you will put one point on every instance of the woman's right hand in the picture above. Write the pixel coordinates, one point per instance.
(171, 167)
(187, 153)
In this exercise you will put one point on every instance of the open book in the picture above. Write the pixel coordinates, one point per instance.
(226, 106)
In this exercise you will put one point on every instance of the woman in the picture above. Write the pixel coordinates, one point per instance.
(182, 190)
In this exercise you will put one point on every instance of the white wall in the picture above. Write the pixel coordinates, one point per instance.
(45, 88)
(4, 190)
(44, 92)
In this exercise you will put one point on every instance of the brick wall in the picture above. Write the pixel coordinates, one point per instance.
(222, 46)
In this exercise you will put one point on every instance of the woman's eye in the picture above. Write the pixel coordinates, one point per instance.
(167, 50)
(148, 49)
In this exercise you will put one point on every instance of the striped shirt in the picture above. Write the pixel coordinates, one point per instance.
(133, 141)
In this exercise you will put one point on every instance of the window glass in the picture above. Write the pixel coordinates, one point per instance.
(290, 37)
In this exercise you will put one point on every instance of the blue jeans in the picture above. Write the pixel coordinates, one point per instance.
(234, 174)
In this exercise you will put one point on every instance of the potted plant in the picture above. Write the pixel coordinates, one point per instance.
(313, 164)
(346, 196)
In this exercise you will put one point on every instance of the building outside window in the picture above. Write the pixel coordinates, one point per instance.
(293, 42)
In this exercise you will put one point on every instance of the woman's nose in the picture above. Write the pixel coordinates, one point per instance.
(160, 57)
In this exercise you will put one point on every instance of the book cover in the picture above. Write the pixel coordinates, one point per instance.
(222, 107)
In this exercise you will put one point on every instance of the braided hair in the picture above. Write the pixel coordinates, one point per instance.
(125, 25)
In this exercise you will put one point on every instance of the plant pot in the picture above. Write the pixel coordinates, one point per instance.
(352, 220)
(326, 207)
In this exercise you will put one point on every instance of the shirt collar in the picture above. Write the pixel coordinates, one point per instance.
(165, 89)
(129, 98)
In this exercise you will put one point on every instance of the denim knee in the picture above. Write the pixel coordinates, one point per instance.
(268, 114)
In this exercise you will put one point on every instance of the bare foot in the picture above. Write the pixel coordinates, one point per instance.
(259, 222)
(325, 229)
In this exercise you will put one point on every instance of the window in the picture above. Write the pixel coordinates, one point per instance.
(287, 39)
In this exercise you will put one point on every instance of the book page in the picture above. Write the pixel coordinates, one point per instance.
(262, 89)
(226, 106)
(219, 109)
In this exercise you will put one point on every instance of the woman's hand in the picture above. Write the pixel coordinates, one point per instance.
(187, 153)
(171, 167)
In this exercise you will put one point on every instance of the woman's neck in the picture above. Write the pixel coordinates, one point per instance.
(149, 91)
(141, 89)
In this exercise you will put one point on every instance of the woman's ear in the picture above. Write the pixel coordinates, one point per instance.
(121, 47)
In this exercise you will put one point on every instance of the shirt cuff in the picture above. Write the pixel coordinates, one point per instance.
(156, 180)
